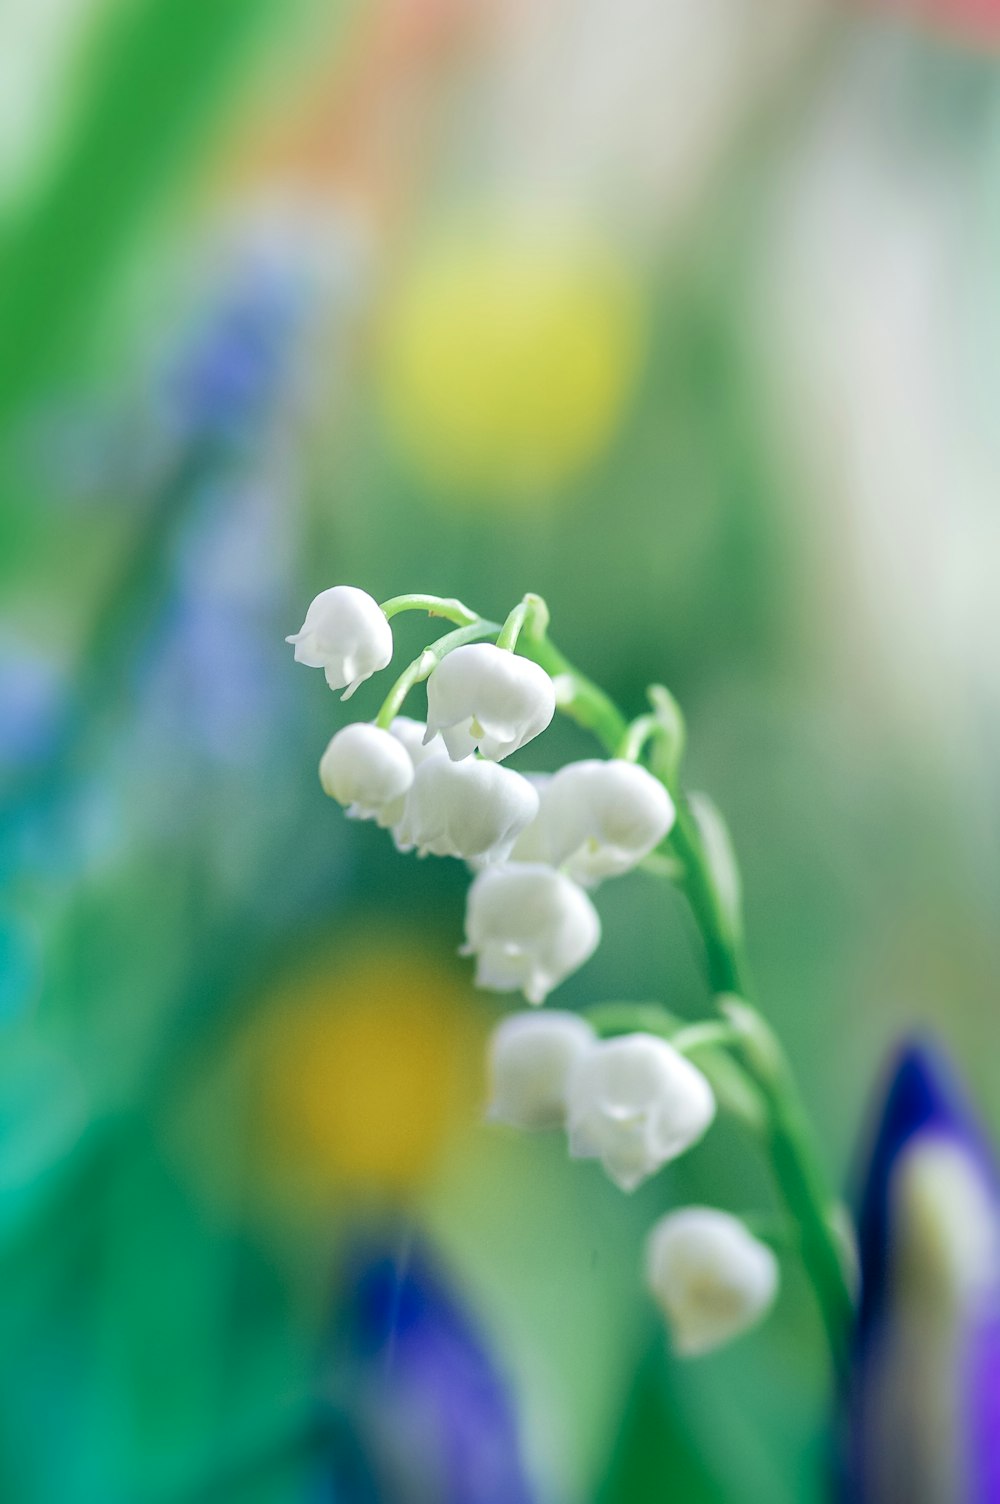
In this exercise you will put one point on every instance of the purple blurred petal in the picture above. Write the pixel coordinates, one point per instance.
(422, 1389)
(923, 1408)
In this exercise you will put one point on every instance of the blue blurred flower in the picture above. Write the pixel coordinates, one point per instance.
(924, 1401)
(429, 1415)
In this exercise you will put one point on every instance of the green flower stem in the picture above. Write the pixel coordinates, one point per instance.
(421, 668)
(711, 1034)
(633, 743)
(435, 605)
(576, 696)
(786, 1131)
(531, 614)
(630, 1018)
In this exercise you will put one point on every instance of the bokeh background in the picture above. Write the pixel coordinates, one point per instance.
(685, 316)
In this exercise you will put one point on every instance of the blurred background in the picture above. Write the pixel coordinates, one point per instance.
(685, 316)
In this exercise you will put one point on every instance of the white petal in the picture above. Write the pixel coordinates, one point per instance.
(639, 1103)
(710, 1276)
(529, 927)
(500, 699)
(466, 809)
(366, 769)
(530, 1058)
(346, 634)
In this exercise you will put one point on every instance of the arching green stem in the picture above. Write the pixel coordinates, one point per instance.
(435, 605)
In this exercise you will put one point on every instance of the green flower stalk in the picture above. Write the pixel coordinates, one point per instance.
(630, 1084)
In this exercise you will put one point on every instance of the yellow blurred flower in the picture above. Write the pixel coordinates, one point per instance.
(508, 354)
(365, 1069)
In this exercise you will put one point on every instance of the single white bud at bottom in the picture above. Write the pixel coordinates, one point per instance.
(710, 1276)
(530, 1059)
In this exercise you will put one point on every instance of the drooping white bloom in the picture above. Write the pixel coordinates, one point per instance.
(635, 1103)
(368, 770)
(530, 1058)
(528, 927)
(346, 633)
(599, 819)
(712, 1279)
(483, 696)
(410, 735)
(468, 809)
(530, 845)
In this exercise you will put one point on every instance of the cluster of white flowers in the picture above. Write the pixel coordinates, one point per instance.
(634, 1103)
(536, 843)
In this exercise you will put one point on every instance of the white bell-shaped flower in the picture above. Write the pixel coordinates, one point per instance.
(410, 735)
(530, 845)
(599, 819)
(467, 809)
(710, 1276)
(483, 696)
(635, 1103)
(530, 1058)
(367, 770)
(346, 633)
(528, 927)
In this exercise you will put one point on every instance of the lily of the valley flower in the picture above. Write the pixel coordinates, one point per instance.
(346, 634)
(924, 1399)
(368, 770)
(465, 809)
(711, 1278)
(635, 1103)
(483, 696)
(530, 1059)
(598, 819)
(410, 735)
(529, 928)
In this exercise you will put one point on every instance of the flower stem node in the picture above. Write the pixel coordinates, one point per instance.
(531, 1056)
(470, 809)
(529, 928)
(710, 1276)
(599, 819)
(346, 634)
(635, 1103)
(481, 696)
(367, 770)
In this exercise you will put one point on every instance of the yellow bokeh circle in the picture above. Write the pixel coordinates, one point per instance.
(365, 1070)
(508, 356)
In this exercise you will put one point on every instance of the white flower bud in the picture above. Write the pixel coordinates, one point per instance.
(366, 769)
(467, 809)
(346, 633)
(529, 928)
(530, 845)
(599, 819)
(530, 1058)
(712, 1279)
(635, 1103)
(482, 696)
(409, 734)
